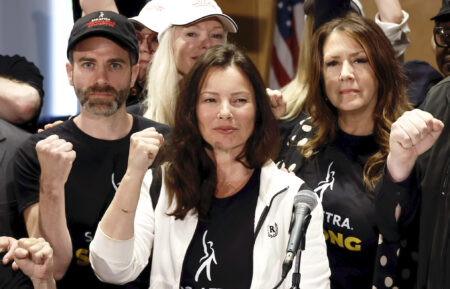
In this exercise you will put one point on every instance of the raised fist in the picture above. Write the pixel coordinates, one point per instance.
(412, 134)
(55, 158)
(144, 147)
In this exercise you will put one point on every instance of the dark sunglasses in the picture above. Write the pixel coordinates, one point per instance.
(442, 36)
(150, 38)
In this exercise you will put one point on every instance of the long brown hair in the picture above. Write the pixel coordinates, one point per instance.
(190, 173)
(391, 98)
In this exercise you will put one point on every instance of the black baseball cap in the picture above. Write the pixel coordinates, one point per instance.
(105, 24)
(444, 13)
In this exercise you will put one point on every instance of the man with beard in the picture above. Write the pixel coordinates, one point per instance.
(151, 19)
(66, 176)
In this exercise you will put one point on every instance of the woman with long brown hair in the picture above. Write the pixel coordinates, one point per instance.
(221, 217)
(356, 91)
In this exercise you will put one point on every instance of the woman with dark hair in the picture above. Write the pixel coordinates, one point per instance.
(356, 91)
(222, 214)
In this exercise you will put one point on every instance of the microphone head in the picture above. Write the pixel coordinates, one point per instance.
(306, 197)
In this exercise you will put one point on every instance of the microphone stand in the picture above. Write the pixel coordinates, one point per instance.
(298, 256)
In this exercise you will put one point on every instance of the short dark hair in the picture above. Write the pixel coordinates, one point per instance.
(190, 172)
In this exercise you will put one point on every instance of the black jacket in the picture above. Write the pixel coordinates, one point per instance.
(426, 194)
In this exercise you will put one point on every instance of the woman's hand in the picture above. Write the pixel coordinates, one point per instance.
(277, 103)
(144, 147)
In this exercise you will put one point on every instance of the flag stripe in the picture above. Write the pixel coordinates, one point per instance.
(281, 75)
(286, 42)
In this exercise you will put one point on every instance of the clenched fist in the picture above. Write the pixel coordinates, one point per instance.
(277, 103)
(33, 256)
(144, 147)
(412, 134)
(55, 157)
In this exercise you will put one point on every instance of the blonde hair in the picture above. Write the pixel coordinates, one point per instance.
(163, 82)
(295, 91)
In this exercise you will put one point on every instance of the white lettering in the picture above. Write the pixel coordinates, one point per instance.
(88, 236)
(328, 216)
(336, 220)
(346, 223)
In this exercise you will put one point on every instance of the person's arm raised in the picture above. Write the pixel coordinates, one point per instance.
(89, 6)
(389, 11)
(47, 218)
(411, 135)
(20, 101)
(118, 221)
(277, 103)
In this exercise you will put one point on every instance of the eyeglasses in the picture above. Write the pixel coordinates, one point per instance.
(442, 36)
(150, 38)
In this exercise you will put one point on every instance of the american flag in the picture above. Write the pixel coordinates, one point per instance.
(286, 42)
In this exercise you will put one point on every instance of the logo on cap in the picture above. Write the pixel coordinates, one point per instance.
(156, 7)
(200, 3)
(101, 20)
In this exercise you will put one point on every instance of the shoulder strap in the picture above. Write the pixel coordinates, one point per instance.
(155, 187)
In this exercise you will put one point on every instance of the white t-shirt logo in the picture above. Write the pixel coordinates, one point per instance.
(207, 259)
(327, 183)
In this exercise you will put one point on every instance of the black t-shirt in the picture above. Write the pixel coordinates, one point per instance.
(351, 234)
(220, 254)
(358, 256)
(93, 180)
(19, 68)
(11, 223)
(336, 175)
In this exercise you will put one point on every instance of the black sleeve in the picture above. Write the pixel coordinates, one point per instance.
(129, 8)
(26, 174)
(387, 195)
(162, 129)
(327, 10)
(138, 108)
(19, 68)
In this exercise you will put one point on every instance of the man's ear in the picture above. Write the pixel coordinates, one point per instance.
(134, 74)
(69, 72)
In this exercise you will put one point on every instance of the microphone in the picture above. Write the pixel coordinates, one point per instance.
(304, 202)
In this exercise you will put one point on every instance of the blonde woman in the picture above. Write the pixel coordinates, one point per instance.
(192, 28)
